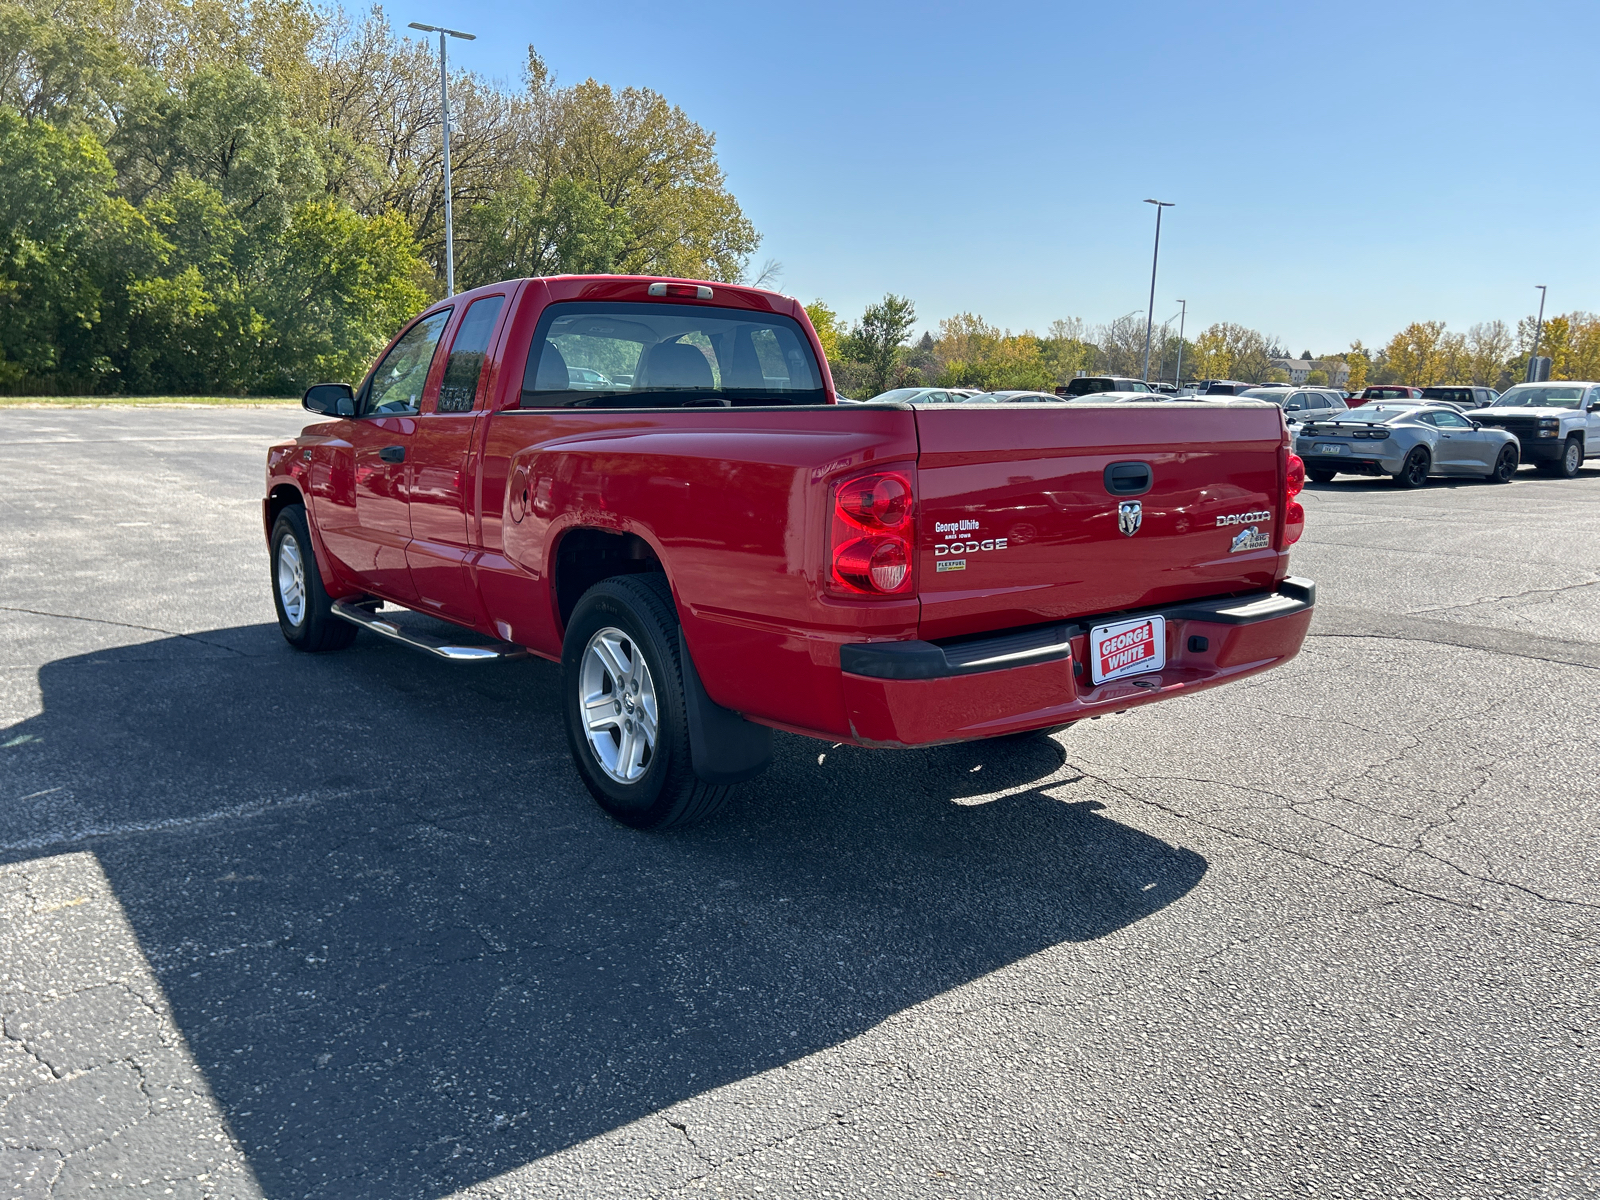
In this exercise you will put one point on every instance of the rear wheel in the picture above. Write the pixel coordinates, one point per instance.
(622, 693)
(1413, 473)
(1320, 474)
(305, 610)
(1505, 466)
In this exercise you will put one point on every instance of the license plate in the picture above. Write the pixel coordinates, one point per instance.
(1328, 448)
(1127, 648)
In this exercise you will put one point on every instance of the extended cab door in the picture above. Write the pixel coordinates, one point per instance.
(363, 517)
(440, 459)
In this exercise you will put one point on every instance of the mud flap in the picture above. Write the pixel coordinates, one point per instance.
(723, 746)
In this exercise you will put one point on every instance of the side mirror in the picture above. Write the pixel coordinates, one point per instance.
(1477, 424)
(1594, 406)
(330, 399)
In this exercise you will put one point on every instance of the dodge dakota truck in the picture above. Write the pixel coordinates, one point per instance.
(649, 481)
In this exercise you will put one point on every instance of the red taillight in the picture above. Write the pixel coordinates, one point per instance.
(1294, 522)
(870, 543)
(876, 501)
(1295, 476)
(874, 564)
(1294, 516)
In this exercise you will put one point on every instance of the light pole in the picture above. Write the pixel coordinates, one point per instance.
(1538, 333)
(444, 124)
(1183, 315)
(1150, 317)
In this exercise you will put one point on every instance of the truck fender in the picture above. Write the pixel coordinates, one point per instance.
(723, 746)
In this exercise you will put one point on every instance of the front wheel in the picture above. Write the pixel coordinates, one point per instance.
(626, 714)
(305, 610)
(1413, 473)
(1320, 474)
(1505, 467)
(1571, 459)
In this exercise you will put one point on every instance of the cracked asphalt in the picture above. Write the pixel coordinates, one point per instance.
(347, 926)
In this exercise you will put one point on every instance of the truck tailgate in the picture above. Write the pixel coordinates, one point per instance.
(1019, 522)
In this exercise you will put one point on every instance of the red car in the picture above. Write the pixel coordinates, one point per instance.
(649, 481)
(1385, 391)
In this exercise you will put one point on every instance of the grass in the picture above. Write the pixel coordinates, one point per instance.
(148, 401)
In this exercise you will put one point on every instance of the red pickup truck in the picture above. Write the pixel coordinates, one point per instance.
(649, 481)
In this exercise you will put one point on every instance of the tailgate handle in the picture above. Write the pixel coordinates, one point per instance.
(1129, 478)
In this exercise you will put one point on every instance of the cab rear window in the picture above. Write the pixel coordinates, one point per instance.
(596, 354)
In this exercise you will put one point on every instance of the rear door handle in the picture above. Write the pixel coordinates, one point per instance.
(393, 454)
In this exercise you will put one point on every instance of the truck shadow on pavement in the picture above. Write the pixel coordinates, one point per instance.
(410, 954)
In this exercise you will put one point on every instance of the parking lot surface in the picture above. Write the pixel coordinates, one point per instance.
(348, 926)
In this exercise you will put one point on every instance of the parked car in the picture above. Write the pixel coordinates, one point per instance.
(719, 549)
(1085, 384)
(1023, 396)
(1125, 398)
(1385, 391)
(1464, 397)
(1558, 423)
(1407, 443)
(920, 396)
(1302, 404)
(1225, 387)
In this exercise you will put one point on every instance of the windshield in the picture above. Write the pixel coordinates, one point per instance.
(593, 354)
(1540, 395)
(1377, 413)
(898, 394)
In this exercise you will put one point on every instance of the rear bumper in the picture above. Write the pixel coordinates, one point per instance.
(1354, 464)
(922, 693)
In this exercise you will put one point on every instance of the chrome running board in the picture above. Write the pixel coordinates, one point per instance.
(360, 614)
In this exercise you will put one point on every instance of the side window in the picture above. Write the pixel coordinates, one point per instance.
(1137, 387)
(1428, 419)
(1450, 420)
(397, 384)
(464, 368)
(1294, 402)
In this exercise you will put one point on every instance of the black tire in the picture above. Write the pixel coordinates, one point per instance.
(667, 794)
(1320, 474)
(317, 629)
(1413, 473)
(1505, 466)
(1571, 460)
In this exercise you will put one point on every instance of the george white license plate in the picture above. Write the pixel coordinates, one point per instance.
(1127, 648)
(1327, 448)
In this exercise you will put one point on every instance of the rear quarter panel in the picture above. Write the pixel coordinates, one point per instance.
(734, 503)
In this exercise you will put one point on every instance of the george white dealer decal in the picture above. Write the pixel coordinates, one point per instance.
(956, 534)
(1248, 518)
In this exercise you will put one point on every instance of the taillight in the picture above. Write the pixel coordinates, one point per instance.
(870, 550)
(1294, 516)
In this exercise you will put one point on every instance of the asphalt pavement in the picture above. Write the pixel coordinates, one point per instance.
(348, 926)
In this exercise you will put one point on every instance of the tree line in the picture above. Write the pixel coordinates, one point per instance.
(245, 197)
(878, 352)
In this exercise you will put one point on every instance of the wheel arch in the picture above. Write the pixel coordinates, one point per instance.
(584, 555)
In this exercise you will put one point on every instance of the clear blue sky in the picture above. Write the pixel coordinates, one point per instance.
(1338, 169)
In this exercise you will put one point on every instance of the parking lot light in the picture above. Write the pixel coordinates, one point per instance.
(444, 124)
(1150, 317)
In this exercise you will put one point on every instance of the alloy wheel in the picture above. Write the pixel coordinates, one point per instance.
(292, 580)
(618, 699)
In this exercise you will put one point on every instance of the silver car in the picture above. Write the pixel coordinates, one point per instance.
(1408, 443)
(1302, 404)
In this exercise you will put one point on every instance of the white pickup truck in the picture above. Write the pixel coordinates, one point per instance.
(1558, 423)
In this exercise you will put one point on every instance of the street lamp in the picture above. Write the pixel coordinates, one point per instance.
(1150, 317)
(1183, 315)
(1538, 333)
(444, 120)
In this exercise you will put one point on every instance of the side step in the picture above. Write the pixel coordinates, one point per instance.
(364, 616)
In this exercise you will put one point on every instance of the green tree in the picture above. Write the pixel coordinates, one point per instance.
(529, 229)
(878, 341)
(1317, 378)
(69, 250)
(826, 322)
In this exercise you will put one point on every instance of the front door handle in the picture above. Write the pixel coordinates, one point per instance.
(393, 454)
